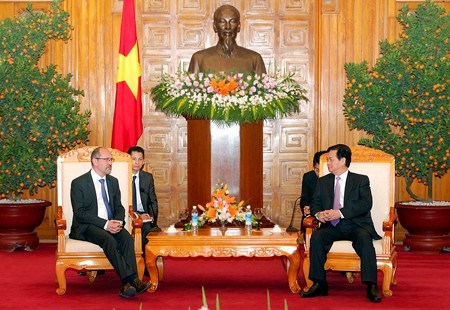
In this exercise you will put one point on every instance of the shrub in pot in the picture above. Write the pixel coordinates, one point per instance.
(402, 103)
(40, 115)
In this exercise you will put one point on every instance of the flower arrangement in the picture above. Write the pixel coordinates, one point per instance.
(222, 208)
(228, 97)
(39, 112)
(402, 102)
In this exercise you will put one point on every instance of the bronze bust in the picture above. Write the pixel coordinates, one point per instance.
(227, 55)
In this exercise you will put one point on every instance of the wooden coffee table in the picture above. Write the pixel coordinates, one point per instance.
(213, 242)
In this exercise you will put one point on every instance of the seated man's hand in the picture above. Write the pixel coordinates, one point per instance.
(114, 226)
(331, 214)
(146, 217)
(306, 211)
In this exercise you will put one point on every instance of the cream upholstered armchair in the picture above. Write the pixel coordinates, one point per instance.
(83, 255)
(380, 168)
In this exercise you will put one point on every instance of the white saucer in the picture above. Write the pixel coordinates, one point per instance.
(277, 232)
(172, 231)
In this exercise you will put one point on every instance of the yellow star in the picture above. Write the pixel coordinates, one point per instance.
(129, 70)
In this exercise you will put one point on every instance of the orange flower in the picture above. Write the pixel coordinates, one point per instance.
(210, 214)
(224, 87)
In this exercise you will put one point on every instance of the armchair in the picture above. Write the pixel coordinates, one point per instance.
(83, 255)
(380, 168)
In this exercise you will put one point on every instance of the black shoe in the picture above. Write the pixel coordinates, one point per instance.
(99, 273)
(372, 293)
(316, 290)
(127, 291)
(141, 286)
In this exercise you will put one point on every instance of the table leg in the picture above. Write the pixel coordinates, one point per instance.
(293, 268)
(150, 261)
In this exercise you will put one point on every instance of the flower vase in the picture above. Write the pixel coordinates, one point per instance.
(223, 225)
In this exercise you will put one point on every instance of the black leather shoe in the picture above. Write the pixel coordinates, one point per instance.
(127, 291)
(372, 293)
(141, 286)
(316, 290)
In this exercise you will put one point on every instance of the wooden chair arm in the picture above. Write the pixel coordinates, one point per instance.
(310, 222)
(135, 219)
(60, 221)
(388, 224)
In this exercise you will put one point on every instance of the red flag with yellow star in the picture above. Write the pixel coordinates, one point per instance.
(127, 125)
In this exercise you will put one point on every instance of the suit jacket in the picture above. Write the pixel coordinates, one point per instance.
(244, 60)
(309, 183)
(84, 204)
(357, 200)
(148, 195)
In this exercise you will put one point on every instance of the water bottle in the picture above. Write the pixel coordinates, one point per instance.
(248, 219)
(194, 219)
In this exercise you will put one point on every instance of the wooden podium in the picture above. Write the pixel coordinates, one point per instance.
(232, 155)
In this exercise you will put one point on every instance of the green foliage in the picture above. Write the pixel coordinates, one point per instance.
(39, 114)
(402, 102)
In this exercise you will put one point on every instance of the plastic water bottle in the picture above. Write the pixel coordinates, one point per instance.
(248, 219)
(194, 219)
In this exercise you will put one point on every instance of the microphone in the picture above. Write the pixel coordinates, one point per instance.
(290, 228)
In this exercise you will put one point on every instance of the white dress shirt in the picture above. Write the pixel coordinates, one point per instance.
(139, 205)
(342, 182)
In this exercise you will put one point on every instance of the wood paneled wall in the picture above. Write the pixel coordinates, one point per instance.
(314, 36)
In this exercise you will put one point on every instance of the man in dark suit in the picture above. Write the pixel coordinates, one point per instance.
(342, 203)
(98, 217)
(145, 203)
(309, 182)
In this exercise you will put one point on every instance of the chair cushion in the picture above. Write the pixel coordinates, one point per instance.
(75, 246)
(346, 247)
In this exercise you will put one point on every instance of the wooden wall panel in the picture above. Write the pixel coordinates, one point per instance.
(282, 32)
(313, 37)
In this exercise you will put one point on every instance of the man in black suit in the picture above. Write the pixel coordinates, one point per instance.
(98, 217)
(309, 182)
(345, 215)
(145, 203)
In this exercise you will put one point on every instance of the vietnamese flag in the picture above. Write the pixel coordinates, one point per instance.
(127, 125)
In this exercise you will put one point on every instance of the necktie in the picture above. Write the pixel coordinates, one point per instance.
(133, 186)
(105, 199)
(337, 192)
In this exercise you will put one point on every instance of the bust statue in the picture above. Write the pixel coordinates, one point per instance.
(227, 55)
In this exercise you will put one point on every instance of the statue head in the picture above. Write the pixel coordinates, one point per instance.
(227, 24)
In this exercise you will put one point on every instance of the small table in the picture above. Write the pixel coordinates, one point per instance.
(214, 242)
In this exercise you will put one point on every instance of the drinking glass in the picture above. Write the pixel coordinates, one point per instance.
(258, 213)
(183, 215)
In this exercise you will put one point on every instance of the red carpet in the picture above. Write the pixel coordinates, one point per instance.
(242, 283)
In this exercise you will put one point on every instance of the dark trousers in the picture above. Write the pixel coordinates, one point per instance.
(145, 230)
(118, 248)
(322, 240)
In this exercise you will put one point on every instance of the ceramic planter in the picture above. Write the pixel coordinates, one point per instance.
(18, 222)
(428, 226)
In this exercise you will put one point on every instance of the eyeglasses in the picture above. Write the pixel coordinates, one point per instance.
(109, 159)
